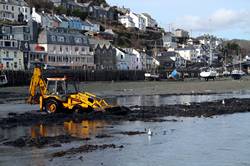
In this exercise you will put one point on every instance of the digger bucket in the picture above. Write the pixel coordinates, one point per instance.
(100, 105)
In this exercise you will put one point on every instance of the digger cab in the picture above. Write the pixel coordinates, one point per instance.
(61, 86)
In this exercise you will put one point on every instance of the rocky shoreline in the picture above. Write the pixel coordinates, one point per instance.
(135, 113)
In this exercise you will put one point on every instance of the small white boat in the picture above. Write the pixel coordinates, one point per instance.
(237, 74)
(208, 73)
(3, 79)
(151, 77)
(226, 73)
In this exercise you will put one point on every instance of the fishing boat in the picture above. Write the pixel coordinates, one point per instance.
(237, 74)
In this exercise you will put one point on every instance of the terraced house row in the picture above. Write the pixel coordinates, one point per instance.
(63, 41)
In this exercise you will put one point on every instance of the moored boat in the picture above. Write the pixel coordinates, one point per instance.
(226, 73)
(237, 74)
(208, 73)
(152, 77)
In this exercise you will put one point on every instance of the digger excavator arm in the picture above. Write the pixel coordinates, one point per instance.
(36, 81)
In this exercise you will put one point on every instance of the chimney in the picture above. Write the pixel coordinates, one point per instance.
(33, 10)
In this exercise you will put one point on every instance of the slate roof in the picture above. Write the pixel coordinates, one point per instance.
(69, 37)
(14, 2)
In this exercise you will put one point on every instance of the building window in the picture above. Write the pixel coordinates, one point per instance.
(78, 40)
(15, 54)
(61, 49)
(3, 6)
(7, 54)
(7, 7)
(12, 8)
(53, 38)
(76, 49)
(84, 41)
(15, 65)
(60, 38)
(7, 64)
(54, 49)
(20, 62)
(83, 49)
(121, 56)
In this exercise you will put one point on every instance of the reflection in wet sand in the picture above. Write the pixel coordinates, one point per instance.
(85, 129)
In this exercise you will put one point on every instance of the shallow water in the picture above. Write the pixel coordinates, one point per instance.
(223, 140)
(190, 141)
(148, 100)
(158, 100)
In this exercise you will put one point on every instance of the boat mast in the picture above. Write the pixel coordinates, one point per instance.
(240, 61)
(210, 51)
(155, 55)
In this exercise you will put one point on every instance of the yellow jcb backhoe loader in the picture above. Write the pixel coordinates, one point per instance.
(60, 94)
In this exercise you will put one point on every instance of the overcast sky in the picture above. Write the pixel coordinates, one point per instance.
(224, 18)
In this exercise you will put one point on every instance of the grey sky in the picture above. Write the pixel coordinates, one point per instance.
(224, 18)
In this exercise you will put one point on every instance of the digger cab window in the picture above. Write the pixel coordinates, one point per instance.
(71, 87)
(61, 88)
(51, 85)
(56, 87)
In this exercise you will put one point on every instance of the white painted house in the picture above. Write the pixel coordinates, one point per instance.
(149, 21)
(169, 40)
(187, 53)
(127, 21)
(133, 20)
(122, 62)
(11, 57)
(131, 59)
(11, 9)
(136, 59)
(35, 16)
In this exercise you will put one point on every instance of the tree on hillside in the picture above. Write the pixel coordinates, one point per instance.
(95, 2)
(230, 50)
(79, 13)
(41, 5)
(60, 10)
(233, 48)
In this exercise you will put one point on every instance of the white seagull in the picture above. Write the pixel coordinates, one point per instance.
(223, 102)
(150, 133)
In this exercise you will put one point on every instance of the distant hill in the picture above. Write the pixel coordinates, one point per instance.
(41, 5)
(47, 5)
(244, 44)
(95, 2)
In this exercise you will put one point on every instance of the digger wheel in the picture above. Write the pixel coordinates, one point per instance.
(51, 106)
